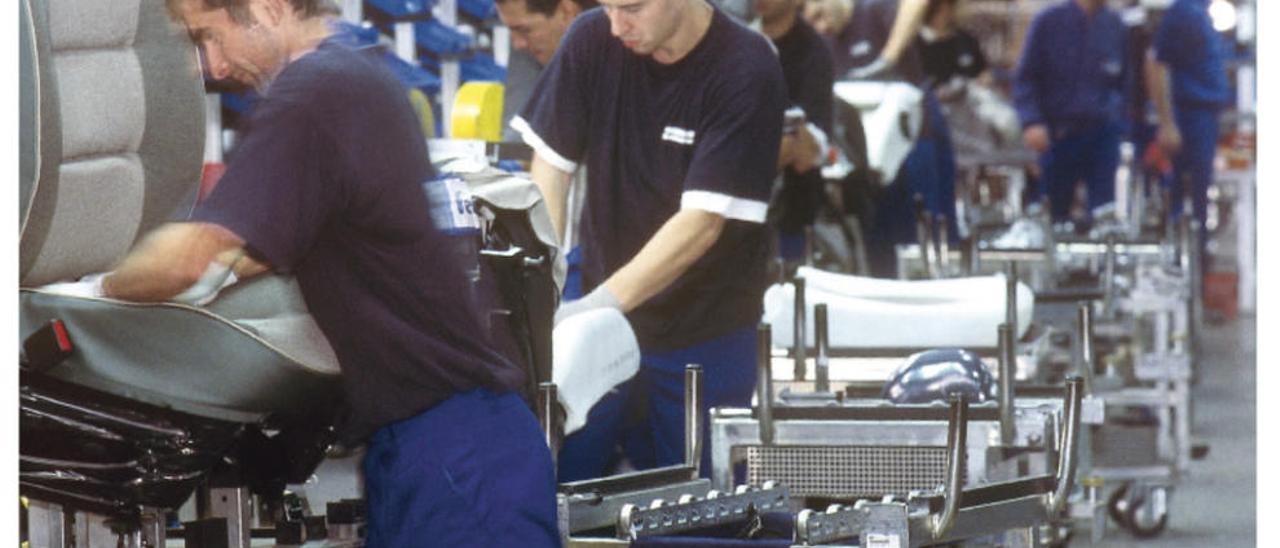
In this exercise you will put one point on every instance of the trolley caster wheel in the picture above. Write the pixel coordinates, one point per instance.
(1118, 506)
(1139, 516)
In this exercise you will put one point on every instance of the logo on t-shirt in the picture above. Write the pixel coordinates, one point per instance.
(861, 48)
(677, 135)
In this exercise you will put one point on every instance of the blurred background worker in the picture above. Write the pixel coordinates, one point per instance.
(536, 29)
(947, 51)
(1069, 91)
(806, 67)
(1188, 84)
(879, 43)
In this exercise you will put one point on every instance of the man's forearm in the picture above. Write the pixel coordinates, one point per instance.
(554, 185)
(680, 242)
(168, 261)
(1157, 76)
(905, 27)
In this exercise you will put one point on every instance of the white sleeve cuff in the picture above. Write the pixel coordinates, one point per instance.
(730, 207)
(541, 147)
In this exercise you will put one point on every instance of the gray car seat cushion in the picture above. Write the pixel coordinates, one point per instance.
(119, 110)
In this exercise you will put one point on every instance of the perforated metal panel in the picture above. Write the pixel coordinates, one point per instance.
(848, 471)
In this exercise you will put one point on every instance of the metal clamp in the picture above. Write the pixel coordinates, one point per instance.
(689, 512)
(957, 441)
(1069, 440)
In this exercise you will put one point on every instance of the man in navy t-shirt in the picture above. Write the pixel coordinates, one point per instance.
(1069, 93)
(326, 184)
(1189, 89)
(677, 111)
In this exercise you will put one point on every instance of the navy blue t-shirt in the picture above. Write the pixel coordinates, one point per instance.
(1195, 54)
(806, 66)
(1073, 70)
(326, 184)
(860, 42)
(700, 133)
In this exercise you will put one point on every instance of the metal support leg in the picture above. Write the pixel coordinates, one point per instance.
(764, 383)
(549, 418)
(693, 404)
(799, 344)
(233, 504)
(48, 525)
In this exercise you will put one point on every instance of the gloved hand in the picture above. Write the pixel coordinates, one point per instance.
(216, 277)
(600, 297)
(876, 68)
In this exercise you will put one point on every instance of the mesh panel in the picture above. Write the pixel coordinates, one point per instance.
(848, 471)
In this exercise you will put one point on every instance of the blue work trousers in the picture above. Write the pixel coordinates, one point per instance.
(471, 471)
(1193, 166)
(643, 418)
(1090, 155)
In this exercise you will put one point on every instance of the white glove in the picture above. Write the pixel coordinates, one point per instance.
(599, 297)
(89, 287)
(216, 277)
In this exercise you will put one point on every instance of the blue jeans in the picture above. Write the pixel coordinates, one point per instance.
(471, 471)
(644, 418)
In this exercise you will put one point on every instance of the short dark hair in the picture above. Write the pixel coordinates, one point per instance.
(239, 9)
(548, 7)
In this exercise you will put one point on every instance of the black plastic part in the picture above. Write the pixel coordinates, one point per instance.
(291, 533)
(345, 512)
(47, 347)
(522, 267)
(206, 533)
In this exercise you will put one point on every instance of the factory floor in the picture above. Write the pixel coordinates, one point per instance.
(1215, 503)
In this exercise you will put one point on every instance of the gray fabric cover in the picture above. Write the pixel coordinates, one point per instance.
(175, 356)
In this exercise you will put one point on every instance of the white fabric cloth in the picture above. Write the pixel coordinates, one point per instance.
(876, 313)
(592, 352)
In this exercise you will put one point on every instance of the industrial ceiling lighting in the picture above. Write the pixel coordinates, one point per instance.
(1223, 14)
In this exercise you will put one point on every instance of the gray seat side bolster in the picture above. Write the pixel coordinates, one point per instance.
(40, 195)
(172, 149)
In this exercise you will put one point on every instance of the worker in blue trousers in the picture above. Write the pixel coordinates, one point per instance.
(1069, 92)
(327, 185)
(1188, 84)
(676, 110)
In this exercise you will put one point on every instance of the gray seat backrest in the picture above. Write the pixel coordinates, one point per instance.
(112, 131)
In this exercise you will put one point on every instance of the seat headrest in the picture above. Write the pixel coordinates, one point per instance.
(112, 131)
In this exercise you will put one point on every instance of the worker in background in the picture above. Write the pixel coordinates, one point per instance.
(879, 43)
(947, 51)
(806, 67)
(1188, 83)
(1069, 92)
(537, 27)
(677, 111)
(827, 16)
(327, 185)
